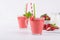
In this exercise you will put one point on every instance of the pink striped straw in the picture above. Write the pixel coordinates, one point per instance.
(31, 8)
(30, 3)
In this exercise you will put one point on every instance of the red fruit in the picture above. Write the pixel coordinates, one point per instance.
(48, 25)
(53, 28)
(48, 29)
(47, 18)
(32, 18)
(44, 28)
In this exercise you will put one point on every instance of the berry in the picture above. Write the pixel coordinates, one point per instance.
(46, 17)
(44, 28)
(52, 28)
(48, 28)
(32, 18)
(48, 25)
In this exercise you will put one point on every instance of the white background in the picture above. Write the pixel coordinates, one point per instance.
(9, 9)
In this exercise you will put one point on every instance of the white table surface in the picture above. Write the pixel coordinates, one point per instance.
(9, 30)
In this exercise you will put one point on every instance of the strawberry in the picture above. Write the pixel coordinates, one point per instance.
(44, 27)
(32, 18)
(46, 17)
(52, 28)
(48, 25)
(48, 28)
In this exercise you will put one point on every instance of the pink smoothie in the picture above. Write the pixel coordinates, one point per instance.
(23, 21)
(37, 25)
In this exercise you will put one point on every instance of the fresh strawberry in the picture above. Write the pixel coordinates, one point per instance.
(46, 17)
(48, 25)
(52, 28)
(32, 18)
(44, 27)
(48, 28)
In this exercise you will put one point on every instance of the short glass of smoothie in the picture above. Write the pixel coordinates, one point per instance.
(22, 21)
(37, 25)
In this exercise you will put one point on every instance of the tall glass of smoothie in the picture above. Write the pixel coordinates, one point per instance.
(37, 25)
(22, 21)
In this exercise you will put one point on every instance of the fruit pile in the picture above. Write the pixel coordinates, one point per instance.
(49, 27)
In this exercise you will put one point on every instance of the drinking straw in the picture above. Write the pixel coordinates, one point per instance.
(31, 8)
(31, 5)
(26, 7)
(34, 10)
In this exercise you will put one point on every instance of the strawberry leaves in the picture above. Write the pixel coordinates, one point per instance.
(50, 27)
(28, 14)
